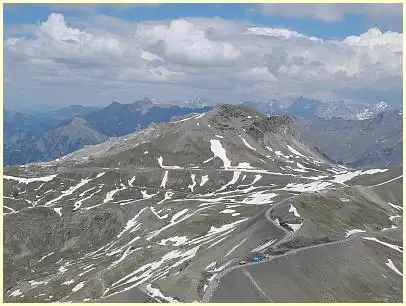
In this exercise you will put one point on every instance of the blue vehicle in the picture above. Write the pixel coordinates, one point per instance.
(256, 259)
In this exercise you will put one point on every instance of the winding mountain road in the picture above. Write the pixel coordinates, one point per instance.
(212, 287)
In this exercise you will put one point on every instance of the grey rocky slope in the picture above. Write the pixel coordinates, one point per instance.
(373, 142)
(90, 128)
(357, 136)
(166, 213)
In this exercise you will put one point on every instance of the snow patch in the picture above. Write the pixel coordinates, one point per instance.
(390, 264)
(234, 180)
(246, 143)
(210, 265)
(186, 119)
(310, 187)
(160, 162)
(294, 210)
(227, 211)
(110, 194)
(69, 282)
(69, 191)
(145, 194)
(15, 293)
(155, 292)
(131, 223)
(176, 240)
(389, 228)
(261, 247)
(58, 210)
(30, 180)
(343, 177)
(204, 179)
(214, 230)
(200, 116)
(78, 287)
(131, 181)
(219, 151)
(192, 186)
(394, 217)
(374, 171)
(167, 196)
(100, 174)
(295, 152)
(353, 231)
(294, 227)
(156, 214)
(392, 246)
(279, 153)
(395, 206)
(164, 179)
(244, 165)
(179, 214)
(259, 198)
(42, 258)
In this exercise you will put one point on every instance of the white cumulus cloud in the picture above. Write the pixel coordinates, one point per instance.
(96, 60)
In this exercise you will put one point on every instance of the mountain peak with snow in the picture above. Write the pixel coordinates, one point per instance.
(190, 201)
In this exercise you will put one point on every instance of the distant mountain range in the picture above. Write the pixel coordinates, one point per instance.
(350, 134)
(303, 107)
(55, 117)
(20, 127)
(354, 135)
(42, 140)
(356, 143)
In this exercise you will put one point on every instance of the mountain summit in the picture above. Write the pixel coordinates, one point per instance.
(194, 210)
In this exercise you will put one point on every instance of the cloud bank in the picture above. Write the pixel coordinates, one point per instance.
(96, 60)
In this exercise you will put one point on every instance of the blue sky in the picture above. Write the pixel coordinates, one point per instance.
(351, 24)
(95, 53)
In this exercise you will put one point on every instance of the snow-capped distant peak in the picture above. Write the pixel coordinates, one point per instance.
(370, 112)
(381, 105)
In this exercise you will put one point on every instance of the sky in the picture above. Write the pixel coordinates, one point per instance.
(91, 54)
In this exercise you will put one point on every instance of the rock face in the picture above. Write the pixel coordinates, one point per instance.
(372, 142)
(354, 135)
(167, 212)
